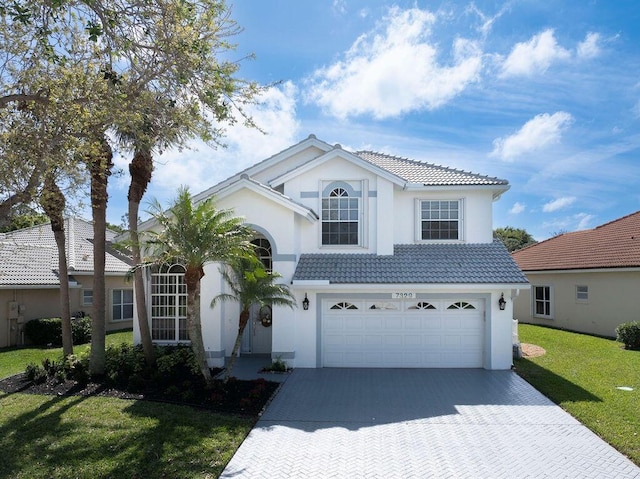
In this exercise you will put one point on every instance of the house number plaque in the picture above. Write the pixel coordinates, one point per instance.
(403, 295)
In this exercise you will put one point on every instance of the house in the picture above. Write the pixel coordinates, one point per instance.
(30, 284)
(392, 262)
(585, 281)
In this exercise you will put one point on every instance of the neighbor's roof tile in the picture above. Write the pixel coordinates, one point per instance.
(426, 173)
(419, 263)
(30, 257)
(612, 245)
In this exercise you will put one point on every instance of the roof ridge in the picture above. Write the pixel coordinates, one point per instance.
(616, 220)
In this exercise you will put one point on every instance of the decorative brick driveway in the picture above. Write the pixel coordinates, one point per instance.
(402, 423)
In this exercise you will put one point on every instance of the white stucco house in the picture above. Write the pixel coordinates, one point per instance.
(392, 261)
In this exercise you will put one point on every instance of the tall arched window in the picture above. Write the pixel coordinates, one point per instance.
(340, 213)
(263, 251)
(169, 304)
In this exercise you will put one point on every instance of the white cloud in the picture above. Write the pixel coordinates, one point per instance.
(394, 69)
(590, 47)
(202, 166)
(534, 56)
(584, 221)
(517, 208)
(537, 133)
(558, 204)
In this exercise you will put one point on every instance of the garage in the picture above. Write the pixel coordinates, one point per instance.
(413, 333)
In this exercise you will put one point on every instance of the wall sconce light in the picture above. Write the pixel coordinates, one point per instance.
(305, 302)
(501, 302)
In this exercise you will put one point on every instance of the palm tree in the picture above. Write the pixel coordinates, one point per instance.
(193, 235)
(250, 283)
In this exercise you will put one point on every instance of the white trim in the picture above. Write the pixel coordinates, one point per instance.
(337, 152)
(387, 287)
(577, 271)
(551, 299)
(418, 221)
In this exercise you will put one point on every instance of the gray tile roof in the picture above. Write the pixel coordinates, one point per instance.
(30, 257)
(419, 263)
(426, 173)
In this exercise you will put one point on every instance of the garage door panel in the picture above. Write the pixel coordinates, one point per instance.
(400, 337)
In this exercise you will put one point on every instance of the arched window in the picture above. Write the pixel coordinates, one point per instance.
(263, 251)
(344, 305)
(169, 304)
(461, 305)
(340, 218)
(422, 305)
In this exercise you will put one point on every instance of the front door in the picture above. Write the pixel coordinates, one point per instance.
(257, 335)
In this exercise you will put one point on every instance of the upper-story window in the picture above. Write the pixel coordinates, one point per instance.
(340, 217)
(440, 220)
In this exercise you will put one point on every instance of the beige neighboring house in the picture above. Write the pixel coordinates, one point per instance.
(29, 281)
(586, 281)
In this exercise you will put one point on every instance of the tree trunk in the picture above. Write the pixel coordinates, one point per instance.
(242, 324)
(192, 279)
(141, 168)
(53, 202)
(100, 168)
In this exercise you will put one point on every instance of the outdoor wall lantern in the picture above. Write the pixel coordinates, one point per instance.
(501, 302)
(305, 302)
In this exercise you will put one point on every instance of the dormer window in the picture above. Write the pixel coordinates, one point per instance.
(340, 216)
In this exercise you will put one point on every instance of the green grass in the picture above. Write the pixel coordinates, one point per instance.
(98, 437)
(53, 437)
(582, 373)
(14, 360)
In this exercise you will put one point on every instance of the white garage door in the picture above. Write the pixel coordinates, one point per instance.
(403, 334)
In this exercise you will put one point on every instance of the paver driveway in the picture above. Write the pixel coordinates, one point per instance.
(389, 423)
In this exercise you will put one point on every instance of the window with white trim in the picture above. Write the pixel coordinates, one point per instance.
(87, 297)
(541, 298)
(582, 294)
(122, 304)
(169, 304)
(340, 217)
(439, 220)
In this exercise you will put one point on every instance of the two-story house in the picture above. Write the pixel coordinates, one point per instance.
(392, 261)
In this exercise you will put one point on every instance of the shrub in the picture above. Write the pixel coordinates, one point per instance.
(629, 334)
(48, 331)
(35, 373)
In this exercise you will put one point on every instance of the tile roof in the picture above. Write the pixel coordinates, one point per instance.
(426, 173)
(612, 245)
(419, 263)
(30, 257)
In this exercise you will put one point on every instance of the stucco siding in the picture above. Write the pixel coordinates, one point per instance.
(613, 298)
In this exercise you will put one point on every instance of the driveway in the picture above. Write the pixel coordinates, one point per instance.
(402, 423)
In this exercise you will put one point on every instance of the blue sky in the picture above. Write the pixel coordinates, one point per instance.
(543, 94)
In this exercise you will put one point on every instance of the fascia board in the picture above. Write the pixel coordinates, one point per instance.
(498, 190)
(336, 152)
(375, 287)
(310, 141)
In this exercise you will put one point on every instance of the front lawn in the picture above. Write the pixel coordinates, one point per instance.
(582, 374)
(94, 437)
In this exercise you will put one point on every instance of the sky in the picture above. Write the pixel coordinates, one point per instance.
(544, 94)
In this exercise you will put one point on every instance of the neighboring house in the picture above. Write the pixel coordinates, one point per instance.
(392, 262)
(30, 284)
(586, 281)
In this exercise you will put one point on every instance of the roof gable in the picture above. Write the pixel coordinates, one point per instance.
(247, 183)
(611, 245)
(336, 152)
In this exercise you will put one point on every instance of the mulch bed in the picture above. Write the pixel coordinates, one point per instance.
(235, 397)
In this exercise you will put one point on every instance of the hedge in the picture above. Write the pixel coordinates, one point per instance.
(629, 334)
(48, 331)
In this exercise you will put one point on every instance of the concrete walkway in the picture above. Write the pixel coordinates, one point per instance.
(416, 423)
